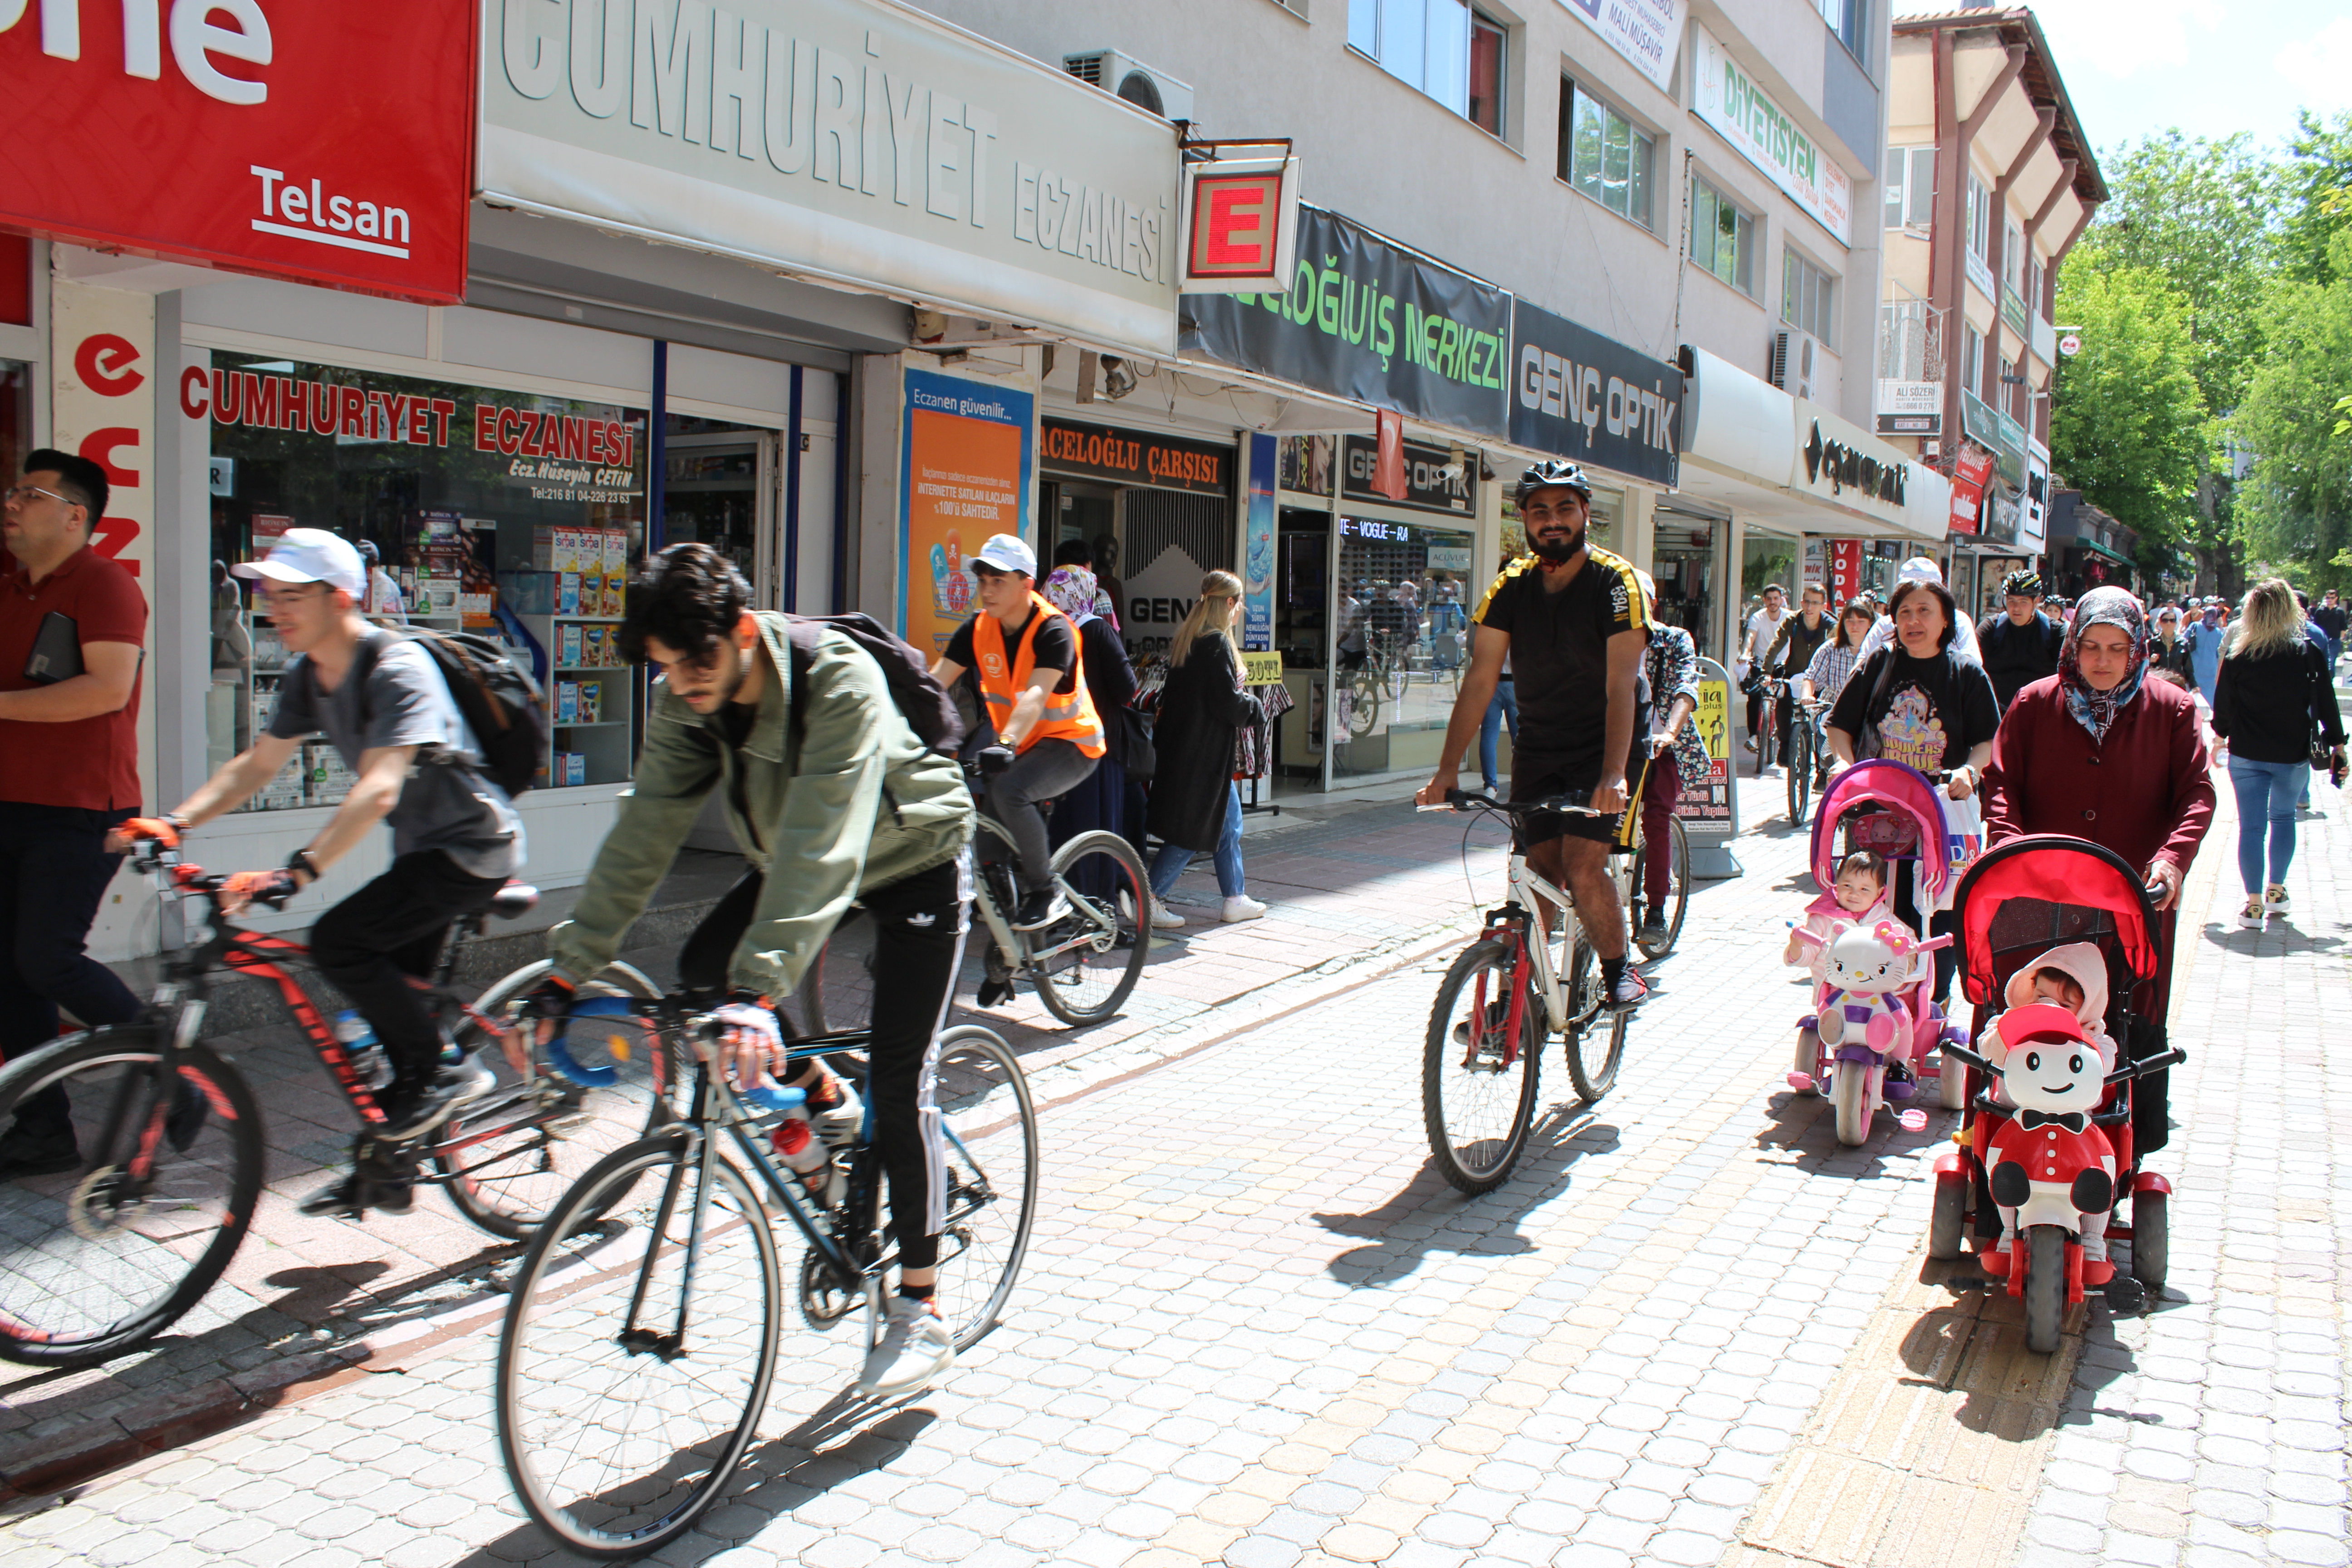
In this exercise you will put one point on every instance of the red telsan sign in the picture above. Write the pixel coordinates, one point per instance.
(326, 143)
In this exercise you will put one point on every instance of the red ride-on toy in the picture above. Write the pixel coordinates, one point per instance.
(2019, 902)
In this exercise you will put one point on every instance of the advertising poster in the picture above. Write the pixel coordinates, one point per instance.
(1257, 553)
(1726, 97)
(1647, 32)
(963, 475)
(1591, 399)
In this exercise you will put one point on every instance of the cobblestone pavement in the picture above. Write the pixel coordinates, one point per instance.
(1257, 1329)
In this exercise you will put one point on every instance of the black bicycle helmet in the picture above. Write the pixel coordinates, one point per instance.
(1555, 474)
(2022, 580)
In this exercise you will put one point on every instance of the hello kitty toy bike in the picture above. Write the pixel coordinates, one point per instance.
(1863, 1026)
(2051, 1165)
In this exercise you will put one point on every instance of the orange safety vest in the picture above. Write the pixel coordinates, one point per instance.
(1069, 716)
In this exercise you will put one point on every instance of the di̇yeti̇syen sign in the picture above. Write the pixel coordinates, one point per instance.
(328, 144)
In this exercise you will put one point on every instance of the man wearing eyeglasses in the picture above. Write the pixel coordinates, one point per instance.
(71, 626)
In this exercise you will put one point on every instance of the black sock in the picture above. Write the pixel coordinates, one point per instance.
(1611, 971)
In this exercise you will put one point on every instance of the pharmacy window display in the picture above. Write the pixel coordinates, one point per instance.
(507, 514)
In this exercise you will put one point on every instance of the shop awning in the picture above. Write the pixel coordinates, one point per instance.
(2096, 548)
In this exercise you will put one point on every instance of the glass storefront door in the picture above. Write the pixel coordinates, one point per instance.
(1684, 551)
(719, 487)
(1400, 634)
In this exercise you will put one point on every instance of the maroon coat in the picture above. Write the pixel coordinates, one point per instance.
(2146, 792)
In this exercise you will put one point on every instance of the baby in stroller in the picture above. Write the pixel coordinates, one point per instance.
(2072, 975)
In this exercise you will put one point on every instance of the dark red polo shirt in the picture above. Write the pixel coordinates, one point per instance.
(92, 763)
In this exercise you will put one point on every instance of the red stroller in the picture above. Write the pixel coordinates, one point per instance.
(2019, 902)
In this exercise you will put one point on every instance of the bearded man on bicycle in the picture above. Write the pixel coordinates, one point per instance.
(834, 800)
(1575, 624)
(456, 836)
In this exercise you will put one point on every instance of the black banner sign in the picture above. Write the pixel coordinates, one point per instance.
(1369, 322)
(1591, 399)
(1426, 487)
(1135, 458)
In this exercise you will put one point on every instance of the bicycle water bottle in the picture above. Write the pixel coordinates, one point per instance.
(797, 1145)
(367, 1054)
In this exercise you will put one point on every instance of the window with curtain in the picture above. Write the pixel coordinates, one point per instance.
(1604, 154)
(1910, 181)
(1723, 236)
(1806, 293)
(1441, 46)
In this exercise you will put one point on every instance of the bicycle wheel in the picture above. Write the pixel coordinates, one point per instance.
(1477, 1085)
(1085, 967)
(506, 1159)
(1800, 773)
(991, 1125)
(1359, 698)
(113, 1249)
(638, 1351)
(1674, 902)
(1596, 1039)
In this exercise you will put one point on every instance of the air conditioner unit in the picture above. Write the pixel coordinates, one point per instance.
(1146, 87)
(1792, 362)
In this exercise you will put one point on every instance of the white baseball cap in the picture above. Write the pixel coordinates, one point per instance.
(1919, 569)
(1007, 553)
(311, 555)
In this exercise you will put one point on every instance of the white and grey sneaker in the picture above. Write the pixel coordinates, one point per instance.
(915, 1352)
(1163, 918)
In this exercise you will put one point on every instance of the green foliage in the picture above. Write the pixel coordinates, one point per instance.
(2297, 510)
(2129, 426)
(2317, 185)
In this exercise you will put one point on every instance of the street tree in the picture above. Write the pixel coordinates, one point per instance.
(2296, 507)
(2129, 426)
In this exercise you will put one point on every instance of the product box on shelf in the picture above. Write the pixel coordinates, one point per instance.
(567, 702)
(567, 594)
(282, 792)
(575, 767)
(616, 571)
(568, 648)
(591, 701)
(598, 645)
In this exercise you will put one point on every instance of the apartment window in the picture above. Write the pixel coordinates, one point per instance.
(2012, 259)
(1904, 352)
(1910, 186)
(1604, 154)
(1979, 218)
(1441, 46)
(1971, 358)
(1806, 295)
(1487, 53)
(1846, 19)
(2033, 288)
(1723, 236)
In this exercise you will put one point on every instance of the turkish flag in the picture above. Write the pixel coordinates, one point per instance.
(1388, 464)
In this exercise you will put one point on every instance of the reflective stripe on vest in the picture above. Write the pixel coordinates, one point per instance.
(1068, 716)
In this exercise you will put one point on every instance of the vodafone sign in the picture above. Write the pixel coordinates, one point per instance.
(327, 143)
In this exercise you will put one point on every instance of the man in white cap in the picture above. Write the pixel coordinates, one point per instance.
(456, 839)
(1035, 687)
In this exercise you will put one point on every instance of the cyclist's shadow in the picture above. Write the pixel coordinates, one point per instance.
(1428, 1216)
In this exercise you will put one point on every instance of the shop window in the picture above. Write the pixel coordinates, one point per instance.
(507, 514)
(1440, 46)
(1910, 181)
(1806, 293)
(1603, 153)
(1402, 640)
(1723, 236)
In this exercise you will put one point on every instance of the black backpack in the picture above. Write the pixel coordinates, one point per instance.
(925, 704)
(501, 703)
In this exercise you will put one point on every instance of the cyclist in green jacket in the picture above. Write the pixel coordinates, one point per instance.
(834, 800)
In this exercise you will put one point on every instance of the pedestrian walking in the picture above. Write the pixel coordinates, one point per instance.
(2204, 639)
(2331, 618)
(2276, 706)
(1194, 805)
(72, 623)
(1111, 798)
(2168, 650)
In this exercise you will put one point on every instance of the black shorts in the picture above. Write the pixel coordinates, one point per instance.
(1617, 832)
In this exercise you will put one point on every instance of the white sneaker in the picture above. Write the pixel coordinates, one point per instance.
(1242, 907)
(915, 1352)
(1162, 917)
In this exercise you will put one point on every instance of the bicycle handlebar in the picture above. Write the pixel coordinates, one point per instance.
(150, 855)
(1574, 803)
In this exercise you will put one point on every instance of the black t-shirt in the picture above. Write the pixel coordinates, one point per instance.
(2332, 619)
(1559, 653)
(1058, 647)
(2016, 657)
(1934, 710)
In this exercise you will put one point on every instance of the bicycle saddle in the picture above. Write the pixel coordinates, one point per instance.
(513, 900)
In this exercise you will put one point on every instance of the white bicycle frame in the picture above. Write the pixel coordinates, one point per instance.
(1530, 892)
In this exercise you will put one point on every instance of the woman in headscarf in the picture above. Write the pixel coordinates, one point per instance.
(2100, 752)
(1111, 798)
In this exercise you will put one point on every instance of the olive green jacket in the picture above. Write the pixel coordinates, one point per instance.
(851, 801)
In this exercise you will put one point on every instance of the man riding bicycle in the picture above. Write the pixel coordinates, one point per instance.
(456, 837)
(835, 800)
(1575, 624)
(1048, 739)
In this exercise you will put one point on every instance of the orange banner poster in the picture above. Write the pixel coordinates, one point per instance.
(964, 475)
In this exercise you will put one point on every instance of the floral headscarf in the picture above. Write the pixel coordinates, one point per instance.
(2096, 711)
(1071, 590)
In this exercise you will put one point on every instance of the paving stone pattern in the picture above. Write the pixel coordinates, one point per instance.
(1255, 1329)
